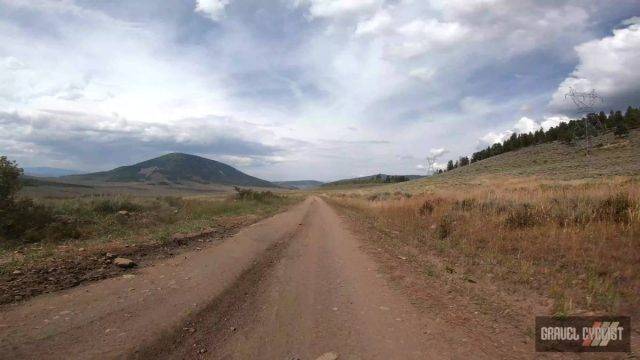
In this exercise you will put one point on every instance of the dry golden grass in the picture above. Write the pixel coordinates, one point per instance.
(577, 242)
(94, 222)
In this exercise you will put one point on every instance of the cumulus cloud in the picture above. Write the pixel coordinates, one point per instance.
(435, 166)
(607, 65)
(275, 78)
(423, 74)
(11, 63)
(421, 36)
(437, 153)
(339, 8)
(491, 137)
(71, 135)
(378, 24)
(631, 21)
(213, 9)
(524, 125)
(553, 121)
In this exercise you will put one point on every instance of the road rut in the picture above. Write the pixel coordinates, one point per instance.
(320, 295)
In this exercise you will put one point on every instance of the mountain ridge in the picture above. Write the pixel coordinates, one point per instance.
(45, 171)
(175, 168)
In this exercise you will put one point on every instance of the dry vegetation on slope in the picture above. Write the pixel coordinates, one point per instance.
(610, 155)
(75, 241)
(576, 242)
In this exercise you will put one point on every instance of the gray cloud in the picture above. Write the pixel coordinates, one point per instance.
(295, 88)
(606, 65)
(106, 142)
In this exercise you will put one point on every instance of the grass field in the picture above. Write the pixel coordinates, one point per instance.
(101, 219)
(570, 233)
(579, 243)
(71, 249)
(60, 188)
(609, 156)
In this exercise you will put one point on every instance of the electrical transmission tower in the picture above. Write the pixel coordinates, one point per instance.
(584, 102)
(431, 160)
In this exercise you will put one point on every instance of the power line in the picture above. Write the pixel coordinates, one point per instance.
(584, 102)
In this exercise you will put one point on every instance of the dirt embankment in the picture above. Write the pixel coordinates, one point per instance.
(73, 266)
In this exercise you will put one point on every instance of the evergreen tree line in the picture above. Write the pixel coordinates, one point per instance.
(566, 132)
(375, 179)
(380, 178)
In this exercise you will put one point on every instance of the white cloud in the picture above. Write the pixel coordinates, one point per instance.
(553, 121)
(461, 7)
(631, 21)
(439, 166)
(339, 8)
(116, 67)
(378, 24)
(423, 74)
(62, 134)
(213, 9)
(11, 63)
(420, 36)
(436, 153)
(301, 80)
(435, 166)
(608, 65)
(492, 137)
(526, 125)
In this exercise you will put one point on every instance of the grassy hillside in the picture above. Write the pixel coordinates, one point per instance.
(609, 156)
(519, 220)
(299, 184)
(175, 168)
(378, 179)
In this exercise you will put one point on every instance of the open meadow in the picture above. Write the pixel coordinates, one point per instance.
(67, 240)
(577, 242)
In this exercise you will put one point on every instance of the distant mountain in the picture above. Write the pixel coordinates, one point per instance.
(44, 171)
(175, 168)
(374, 179)
(299, 184)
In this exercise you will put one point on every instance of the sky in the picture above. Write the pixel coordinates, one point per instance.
(301, 89)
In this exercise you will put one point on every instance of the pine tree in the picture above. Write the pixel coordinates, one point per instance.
(450, 165)
(621, 130)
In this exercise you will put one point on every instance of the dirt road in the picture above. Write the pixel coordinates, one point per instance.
(295, 286)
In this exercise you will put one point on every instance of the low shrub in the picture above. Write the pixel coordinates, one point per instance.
(426, 208)
(445, 226)
(113, 205)
(522, 216)
(615, 207)
(466, 204)
(173, 201)
(379, 196)
(23, 220)
(26, 221)
(249, 194)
